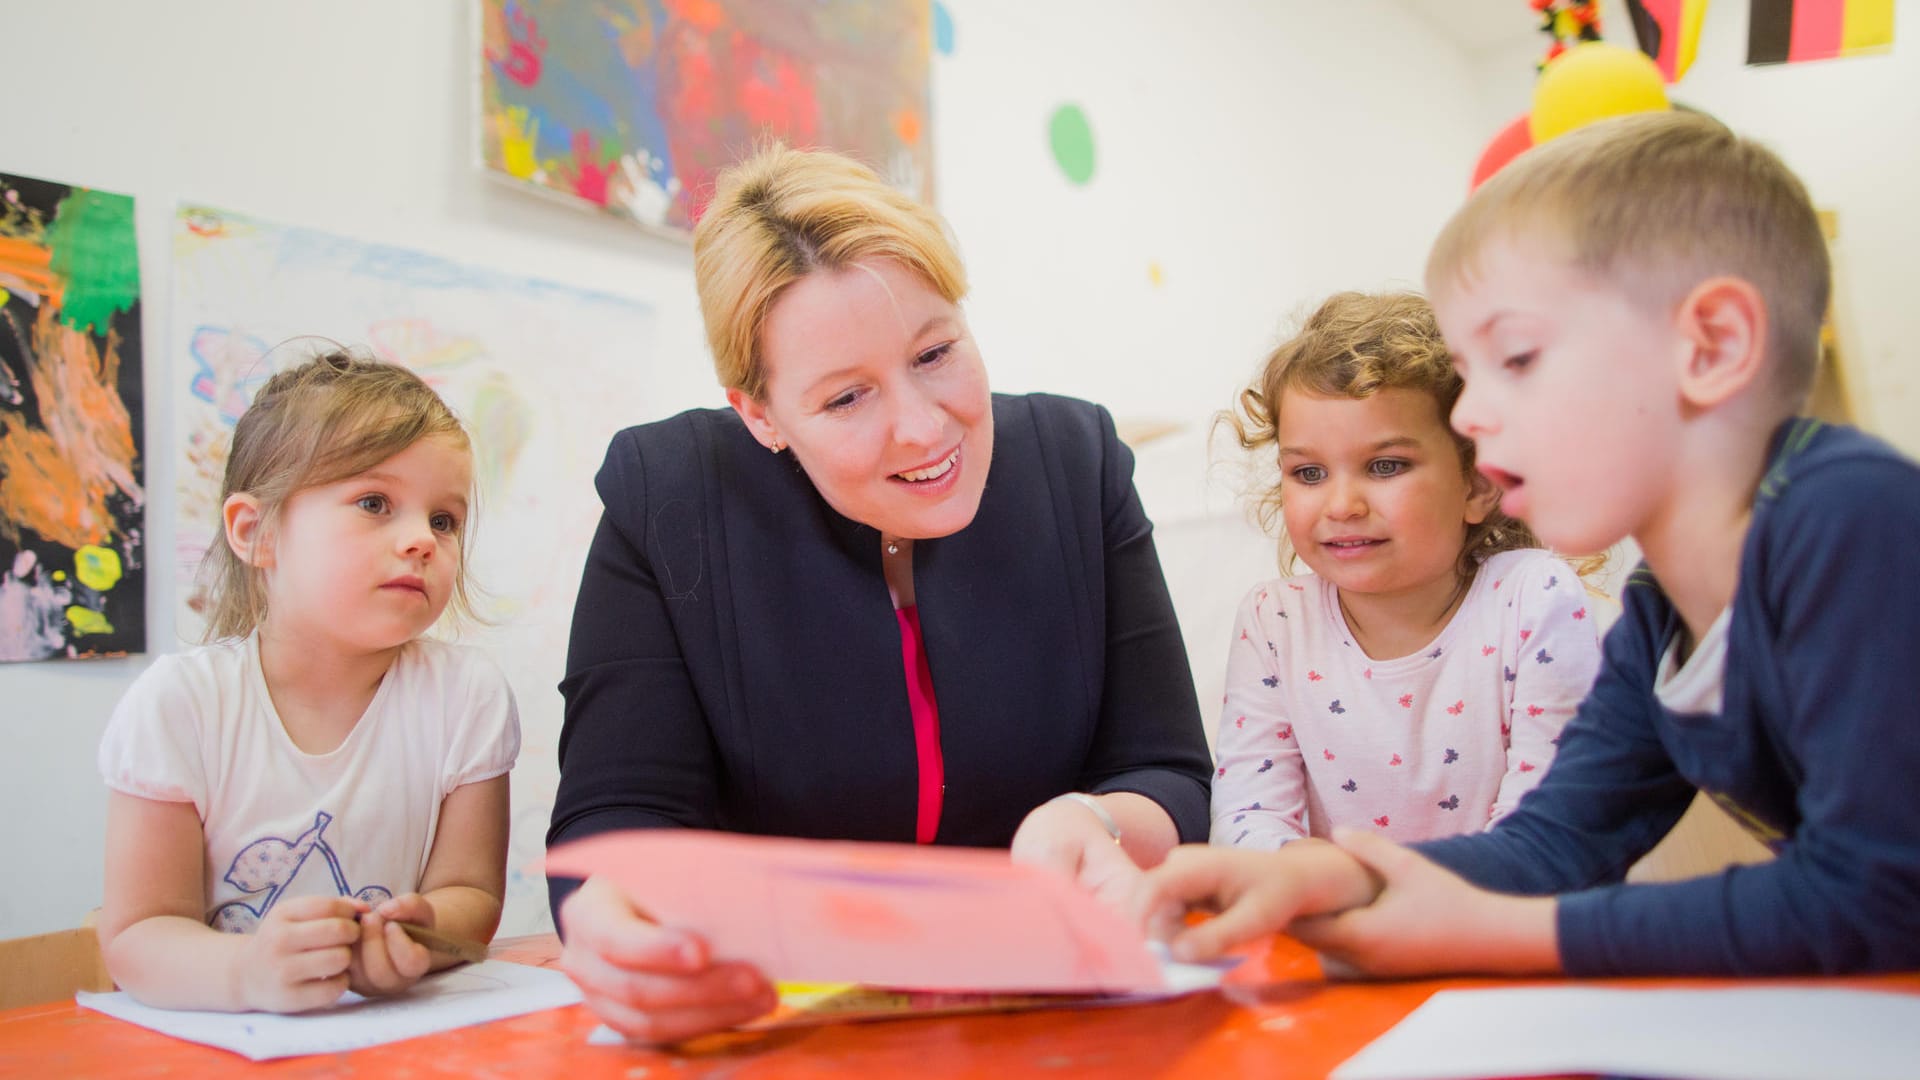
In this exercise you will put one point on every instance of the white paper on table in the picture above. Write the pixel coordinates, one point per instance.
(459, 997)
(1776, 1033)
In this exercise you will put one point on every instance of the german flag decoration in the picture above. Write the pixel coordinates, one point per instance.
(1567, 23)
(1790, 31)
(1669, 32)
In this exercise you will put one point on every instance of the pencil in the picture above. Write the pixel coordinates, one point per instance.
(459, 948)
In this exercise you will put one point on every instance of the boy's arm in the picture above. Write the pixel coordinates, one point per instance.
(1609, 796)
(1257, 893)
(1837, 579)
(1427, 921)
(1611, 793)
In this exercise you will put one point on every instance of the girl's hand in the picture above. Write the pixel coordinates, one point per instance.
(1429, 921)
(649, 983)
(1257, 893)
(385, 960)
(1069, 838)
(298, 958)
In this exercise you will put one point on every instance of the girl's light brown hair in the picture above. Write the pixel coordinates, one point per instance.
(333, 417)
(782, 214)
(1355, 345)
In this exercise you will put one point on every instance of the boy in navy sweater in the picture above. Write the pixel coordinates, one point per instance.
(1636, 308)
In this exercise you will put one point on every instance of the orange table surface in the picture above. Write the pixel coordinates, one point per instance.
(1285, 1021)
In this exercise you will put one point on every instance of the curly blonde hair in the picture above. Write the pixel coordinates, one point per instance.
(1355, 345)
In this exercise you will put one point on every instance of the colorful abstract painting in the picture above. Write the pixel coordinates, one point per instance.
(72, 564)
(542, 376)
(631, 106)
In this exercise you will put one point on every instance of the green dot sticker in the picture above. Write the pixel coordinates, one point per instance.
(1072, 142)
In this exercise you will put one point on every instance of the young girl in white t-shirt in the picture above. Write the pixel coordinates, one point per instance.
(1416, 681)
(282, 797)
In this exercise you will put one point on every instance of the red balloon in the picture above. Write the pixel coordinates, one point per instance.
(1505, 146)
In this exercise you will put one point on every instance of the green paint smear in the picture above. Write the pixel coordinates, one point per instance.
(93, 251)
(1072, 143)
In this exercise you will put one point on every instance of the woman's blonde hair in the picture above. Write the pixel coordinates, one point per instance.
(1355, 345)
(333, 417)
(782, 214)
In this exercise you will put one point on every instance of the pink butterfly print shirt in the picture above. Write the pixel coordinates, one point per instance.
(1315, 734)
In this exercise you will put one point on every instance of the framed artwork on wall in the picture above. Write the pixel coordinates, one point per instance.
(629, 107)
(72, 501)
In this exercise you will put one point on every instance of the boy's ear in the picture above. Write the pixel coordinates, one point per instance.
(754, 415)
(1724, 320)
(1483, 495)
(246, 530)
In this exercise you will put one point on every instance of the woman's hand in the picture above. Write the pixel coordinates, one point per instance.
(1068, 837)
(386, 960)
(650, 983)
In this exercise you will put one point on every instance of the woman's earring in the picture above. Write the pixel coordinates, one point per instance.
(776, 446)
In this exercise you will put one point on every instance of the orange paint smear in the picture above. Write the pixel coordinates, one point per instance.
(56, 479)
(33, 264)
(705, 15)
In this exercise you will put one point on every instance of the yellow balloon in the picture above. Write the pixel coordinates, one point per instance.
(1592, 81)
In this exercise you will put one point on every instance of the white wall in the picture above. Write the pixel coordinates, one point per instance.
(1261, 152)
(1851, 129)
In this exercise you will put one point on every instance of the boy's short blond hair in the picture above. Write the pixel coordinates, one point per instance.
(784, 213)
(1656, 203)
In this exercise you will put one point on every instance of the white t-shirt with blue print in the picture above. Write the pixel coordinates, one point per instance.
(200, 727)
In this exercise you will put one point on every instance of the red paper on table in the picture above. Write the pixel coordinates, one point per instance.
(897, 915)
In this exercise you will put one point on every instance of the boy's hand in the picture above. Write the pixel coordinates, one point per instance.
(1256, 892)
(298, 958)
(1429, 921)
(1252, 891)
(386, 960)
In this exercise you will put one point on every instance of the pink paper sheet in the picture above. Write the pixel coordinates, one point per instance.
(881, 914)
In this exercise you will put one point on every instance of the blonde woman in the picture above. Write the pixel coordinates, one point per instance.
(871, 600)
